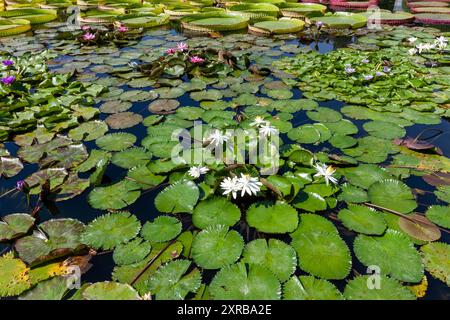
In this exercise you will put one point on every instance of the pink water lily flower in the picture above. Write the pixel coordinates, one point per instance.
(171, 51)
(122, 29)
(196, 59)
(85, 28)
(181, 46)
(89, 36)
(8, 80)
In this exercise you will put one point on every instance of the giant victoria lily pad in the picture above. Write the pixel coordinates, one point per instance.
(342, 20)
(283, 25)
(214, 21)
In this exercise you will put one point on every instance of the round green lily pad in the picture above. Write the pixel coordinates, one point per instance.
(393, 253)
(215, 211)
(389, 289)
(310, 288)
(162, 229)
(116, 141)
(277, 217)
(275, 255)
(258, 283)
(131, 252)
(362, 219)
(110, 230)
(216, 246)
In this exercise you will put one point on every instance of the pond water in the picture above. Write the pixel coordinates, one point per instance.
(94, 65)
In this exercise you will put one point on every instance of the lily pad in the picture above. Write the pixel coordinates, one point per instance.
(115, 196)
(310, 288)
(163, 106)
(215, 211)
(384, 130)
(436, 257)
(131, 252)
(236, 283)
(277, 217)
(88, 131)
(178, 197)
(393, 253)
(216, 246)
(329, 249)
(10, 166)
(162, 229)
(110, 291)
(392, 194)
(131, 158)
(15, 225)
(54, 238)
(116, 141)
(390, 289)
(275, 255)
(110, 230)
(363, 220)
(171, 282)
(123, 120)
(439, 215)
(14, 279)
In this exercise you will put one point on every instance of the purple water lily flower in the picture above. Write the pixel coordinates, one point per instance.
(8, 80)
(368, 77)
(365, 61)
(319, 24)
(379, 73)
(20, 185)
(8, 63)
(387, 69)
(349, 70)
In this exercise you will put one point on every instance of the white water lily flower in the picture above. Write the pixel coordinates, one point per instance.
(412, 51)
(248, 184)
(196, 172)
(258, 121)
(430, 46)
(217, 138)
(327, 172)
(267, 130)
(421, 47)
(147, 296)
(441, 42)
(412, 39)
(230, 185)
